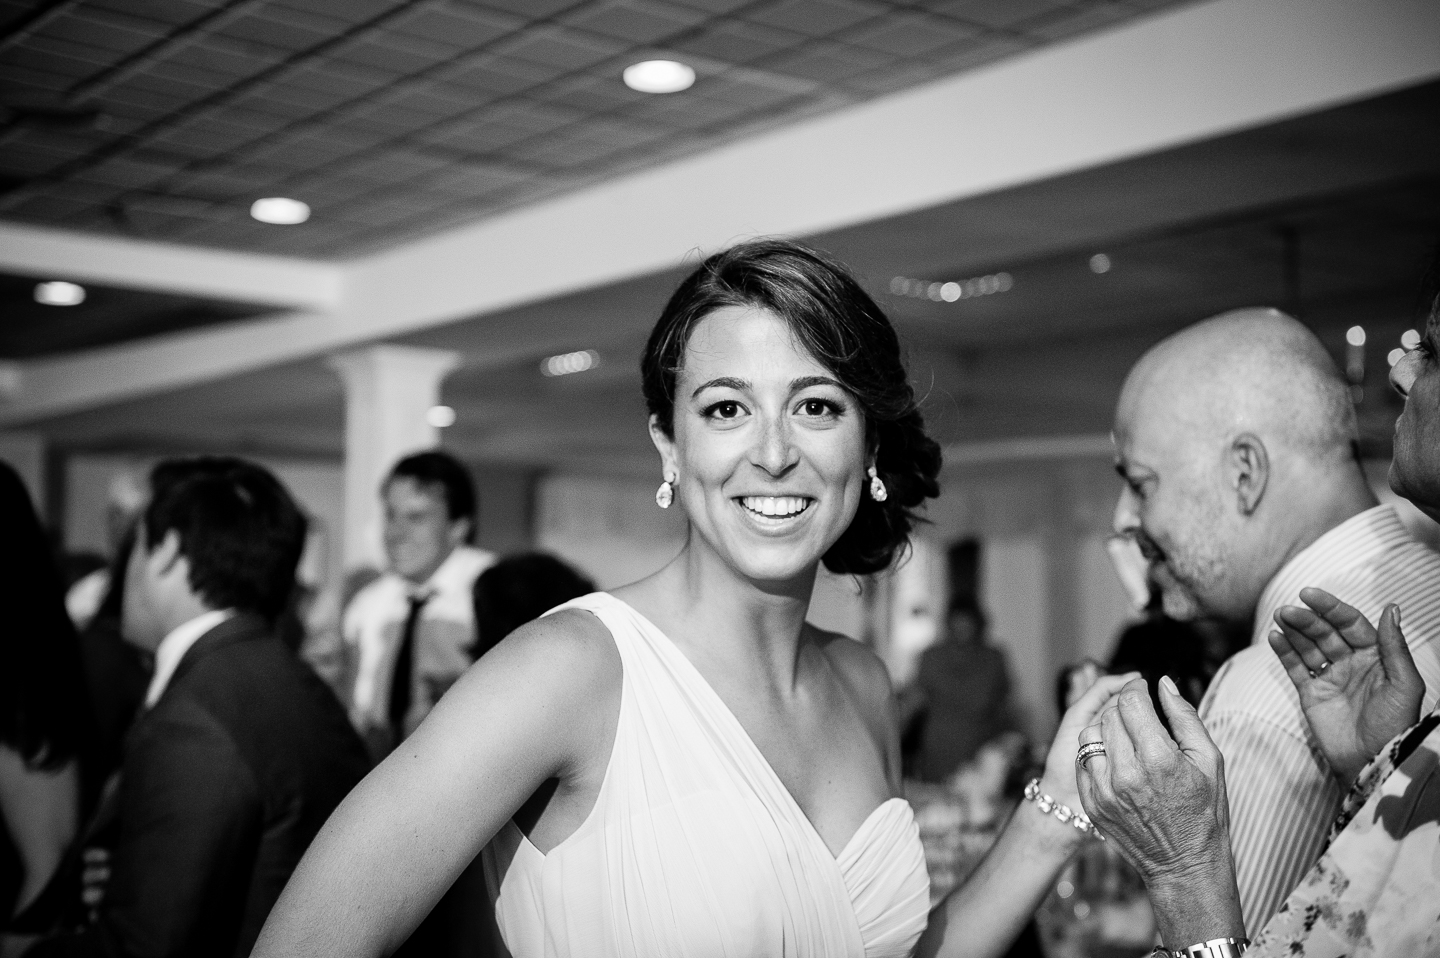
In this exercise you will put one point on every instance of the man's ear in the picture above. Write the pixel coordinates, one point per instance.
(1249, 471)
(460, 530)
(665, 446)
(166, 552)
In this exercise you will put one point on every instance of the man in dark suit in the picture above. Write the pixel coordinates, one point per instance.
(241, 752)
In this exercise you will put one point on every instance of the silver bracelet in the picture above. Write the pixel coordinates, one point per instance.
(1214, 948)
(1079, 820)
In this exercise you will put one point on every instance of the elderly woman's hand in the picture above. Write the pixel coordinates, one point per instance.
(1059, 779)
(1358, 687)
(1161, 802)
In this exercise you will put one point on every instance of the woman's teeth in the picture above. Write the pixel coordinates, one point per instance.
(780, 506)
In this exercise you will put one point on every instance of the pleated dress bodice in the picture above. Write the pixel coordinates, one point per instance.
(695, 848)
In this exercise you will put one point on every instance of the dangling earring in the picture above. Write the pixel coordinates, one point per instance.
(878, 492)
(666, 493)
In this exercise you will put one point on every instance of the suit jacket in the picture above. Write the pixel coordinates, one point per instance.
(223, 785)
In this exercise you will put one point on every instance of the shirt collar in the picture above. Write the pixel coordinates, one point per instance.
(449, 574)
(1353, 542)
(174, 646)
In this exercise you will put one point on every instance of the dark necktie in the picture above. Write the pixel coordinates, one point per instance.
(404, 666)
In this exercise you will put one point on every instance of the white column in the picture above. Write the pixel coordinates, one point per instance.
(388, 391)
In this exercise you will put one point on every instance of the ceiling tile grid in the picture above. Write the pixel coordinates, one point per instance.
(164, 120)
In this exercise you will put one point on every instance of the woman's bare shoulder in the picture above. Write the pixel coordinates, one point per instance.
(538, 703)
(571, 647)
(858, 664)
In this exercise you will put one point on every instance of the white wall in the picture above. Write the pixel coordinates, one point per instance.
(607, 526)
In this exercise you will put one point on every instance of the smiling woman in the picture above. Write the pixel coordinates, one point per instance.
(685, 766)
(818, 310)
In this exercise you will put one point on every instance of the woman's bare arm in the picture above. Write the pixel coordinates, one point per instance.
(542, 704)
(41, 811)
(982, 917)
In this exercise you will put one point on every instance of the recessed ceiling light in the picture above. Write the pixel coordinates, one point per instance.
(659, 76)
(280, 210)
(59, 293)
(567, 363)
(441, 417)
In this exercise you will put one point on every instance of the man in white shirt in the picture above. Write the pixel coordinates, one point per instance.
(410, 634)
(1237, 439)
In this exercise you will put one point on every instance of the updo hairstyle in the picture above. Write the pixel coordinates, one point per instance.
(838, 323)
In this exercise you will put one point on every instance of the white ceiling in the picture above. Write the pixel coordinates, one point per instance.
(1191, 231)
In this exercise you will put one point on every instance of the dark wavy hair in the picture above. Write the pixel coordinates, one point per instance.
(841, 326)
(519, 589)
(44, 708)
(238, 527)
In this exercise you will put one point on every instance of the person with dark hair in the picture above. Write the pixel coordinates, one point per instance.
(241, 752)
(406, 637)
(683, 765)
(519, 589)
(44, 714)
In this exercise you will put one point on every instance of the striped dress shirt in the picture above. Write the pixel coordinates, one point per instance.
(1283, 796)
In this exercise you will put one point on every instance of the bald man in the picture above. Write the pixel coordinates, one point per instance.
(1237, 442)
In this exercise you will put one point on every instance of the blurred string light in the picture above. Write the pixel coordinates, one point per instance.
(1395, 356)
(59, 293)
(1100, 263)
(659, 76)
(568, 363)
(280, 210)
(1355, 335)
(953, 290)
(441, 417)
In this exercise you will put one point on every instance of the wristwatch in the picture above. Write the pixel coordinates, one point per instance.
(1214, 948)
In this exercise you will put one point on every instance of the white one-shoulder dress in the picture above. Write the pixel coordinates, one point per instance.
(695, 847)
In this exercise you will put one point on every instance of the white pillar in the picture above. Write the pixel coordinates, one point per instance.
(388, 391)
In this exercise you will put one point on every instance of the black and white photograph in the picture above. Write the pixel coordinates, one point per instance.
(719, 478)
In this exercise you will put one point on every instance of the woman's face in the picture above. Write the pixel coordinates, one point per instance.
(768, 448)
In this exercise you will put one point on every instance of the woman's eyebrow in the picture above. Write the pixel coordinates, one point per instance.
(805, 382)
(724, 382)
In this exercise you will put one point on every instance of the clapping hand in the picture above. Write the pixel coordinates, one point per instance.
(1059, 778)
(1162, 803)
(1358, 687)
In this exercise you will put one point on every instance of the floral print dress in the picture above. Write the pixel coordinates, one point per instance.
(1376, 890)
